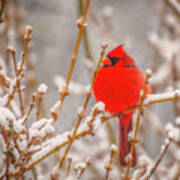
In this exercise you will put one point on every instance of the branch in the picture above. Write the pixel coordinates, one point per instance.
(60, 141)
(81, 113)
(64, 93)
(133, 139)
(159, 159)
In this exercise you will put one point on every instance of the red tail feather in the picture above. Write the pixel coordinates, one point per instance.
(125, 126)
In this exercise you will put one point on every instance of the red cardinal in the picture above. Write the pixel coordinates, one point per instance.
(118, 84)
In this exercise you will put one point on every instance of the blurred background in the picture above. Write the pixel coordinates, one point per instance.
(54, 34)
(149, 30)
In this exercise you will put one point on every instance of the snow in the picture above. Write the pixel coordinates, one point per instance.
(41, 128)
(57, 104)
(28, 28)
(22, 142)
(59, 140)
(80, 165)
(148, 72)
(167, 141)
(130, 134)
(5, 116)
(80, 110)
(114, 148)
(42, 88)
(156, 97)
(173, 132)
(11, 49)
(88, 161)
(177, 121)
(15, 108)
(88, 88)
(18, 125)
(97, 123)
(128, 158)
(99, 106)
(48, 146)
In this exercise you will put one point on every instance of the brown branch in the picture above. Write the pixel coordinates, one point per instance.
(86, 132)
(41, 91)
(27, 39)
(85, 35)
(108, 167)
(69, 165)
(81, 167)
(175, 77)
(134, 140)
(64, 93)
(30, 108)
(11, 95)
(81, 114)
(159, 159)
(13, 52)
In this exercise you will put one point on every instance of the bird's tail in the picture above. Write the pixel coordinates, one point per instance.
(125, 126)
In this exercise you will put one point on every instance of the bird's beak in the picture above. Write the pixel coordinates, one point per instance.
(106, 62)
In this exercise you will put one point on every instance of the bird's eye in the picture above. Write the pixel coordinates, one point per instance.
(113, 60)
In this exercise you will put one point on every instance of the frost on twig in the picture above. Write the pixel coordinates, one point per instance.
(90, 125)
(79, 168)
(108, 166)
(162, 97)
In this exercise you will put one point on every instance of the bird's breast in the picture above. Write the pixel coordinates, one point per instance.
(118, 88)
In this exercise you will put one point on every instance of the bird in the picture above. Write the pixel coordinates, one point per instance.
(118, 85)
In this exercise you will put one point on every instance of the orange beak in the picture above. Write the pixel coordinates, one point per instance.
(106, 61)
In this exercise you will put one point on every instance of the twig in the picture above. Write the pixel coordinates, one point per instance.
(41, 91)
(81, 114)
(108, 167)
(159, 159)
(134, 140)
(11, 95)
(64, 93)
(81, 167)
(13, 52)
(30, 108)
(177, 175)
(27, 39)
(85, 36)
(175, 82)
(69, 165)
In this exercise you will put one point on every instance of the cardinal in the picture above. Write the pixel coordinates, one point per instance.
(118, 85)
